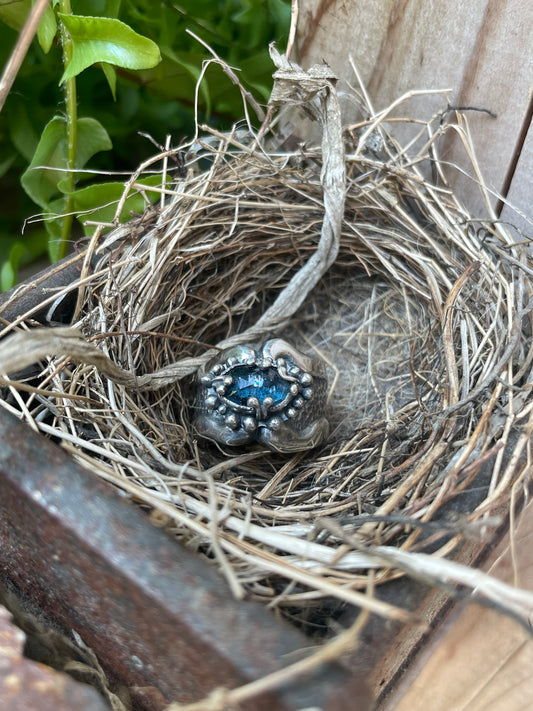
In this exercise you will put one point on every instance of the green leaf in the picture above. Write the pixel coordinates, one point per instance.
(103, 39)
(92, 138)
(40, 179)
(111, 76)
(47, 167)
(47, 29)
(54, 229)
(21, 132)
(8, 273)
(98, 8)
(6, 163)
(99, 202)
(193, 69)
(96, 203)
(14, 14)
(16, 252)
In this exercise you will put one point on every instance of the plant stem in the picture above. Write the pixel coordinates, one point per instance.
(21, 48)
(72, 126)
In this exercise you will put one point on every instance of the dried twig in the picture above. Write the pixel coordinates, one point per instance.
(21, 48)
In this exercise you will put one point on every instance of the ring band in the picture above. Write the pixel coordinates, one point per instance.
(273, 395)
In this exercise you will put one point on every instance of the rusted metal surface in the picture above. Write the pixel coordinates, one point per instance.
(38, 295)
(35, 687)
(155, 614)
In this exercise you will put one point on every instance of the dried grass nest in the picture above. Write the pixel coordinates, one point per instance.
(424, 321)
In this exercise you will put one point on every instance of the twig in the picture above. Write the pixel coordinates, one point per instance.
(21, 48)
(222, 699)
(295, 9)
(247, 95)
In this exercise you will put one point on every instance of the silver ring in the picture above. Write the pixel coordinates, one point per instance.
(271, 394)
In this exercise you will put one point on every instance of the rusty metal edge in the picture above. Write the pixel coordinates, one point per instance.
(29, 296)
(28, 685)
(154, 613)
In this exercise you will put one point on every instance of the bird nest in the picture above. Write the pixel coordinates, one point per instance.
(421, 313)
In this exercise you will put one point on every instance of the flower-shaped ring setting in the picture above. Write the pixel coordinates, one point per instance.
(272, 394)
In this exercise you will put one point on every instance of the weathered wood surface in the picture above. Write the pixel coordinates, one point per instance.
(479, 660)
(520, 193)
(481, 50)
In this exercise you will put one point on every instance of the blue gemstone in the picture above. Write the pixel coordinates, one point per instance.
(252, 381)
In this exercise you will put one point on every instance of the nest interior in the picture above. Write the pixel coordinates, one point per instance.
(423, 320)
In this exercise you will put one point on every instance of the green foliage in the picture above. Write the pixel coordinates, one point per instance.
(122, 67)
(103, 39)
(45, 174)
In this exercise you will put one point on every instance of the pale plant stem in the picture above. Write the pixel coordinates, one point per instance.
(21, 48)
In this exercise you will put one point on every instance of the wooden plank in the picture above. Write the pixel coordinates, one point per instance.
(518, 211)
(396, 647)
(328, 30)
(479, 660)
(480, 49)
